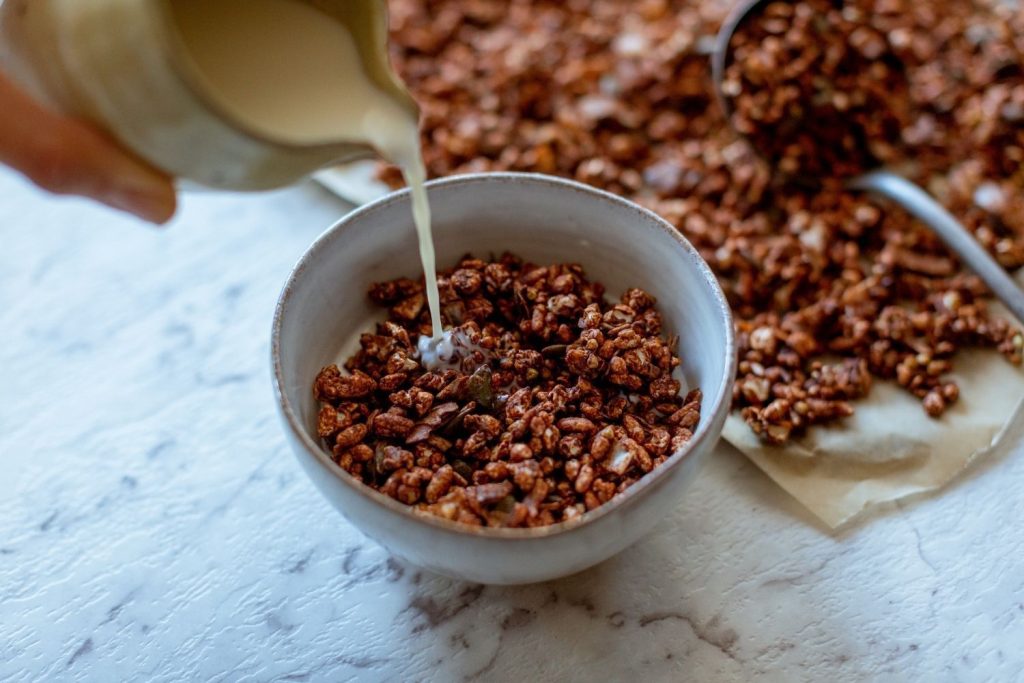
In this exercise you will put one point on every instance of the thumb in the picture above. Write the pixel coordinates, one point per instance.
(66, 156)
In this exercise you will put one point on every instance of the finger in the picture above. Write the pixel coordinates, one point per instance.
(66, 156)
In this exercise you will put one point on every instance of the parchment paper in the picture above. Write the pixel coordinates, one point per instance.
(890, 449)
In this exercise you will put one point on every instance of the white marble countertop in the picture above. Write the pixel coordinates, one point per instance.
(154, 526)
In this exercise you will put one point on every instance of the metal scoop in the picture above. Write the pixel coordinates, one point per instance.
(891, 185)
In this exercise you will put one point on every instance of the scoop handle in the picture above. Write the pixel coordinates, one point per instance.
(949, 230)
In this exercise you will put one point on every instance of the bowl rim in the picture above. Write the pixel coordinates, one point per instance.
(635, 491)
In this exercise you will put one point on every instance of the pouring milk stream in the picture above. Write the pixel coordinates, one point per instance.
(239, 94)
(239, 54)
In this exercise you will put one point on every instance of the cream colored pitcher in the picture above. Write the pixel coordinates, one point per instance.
(239, 94)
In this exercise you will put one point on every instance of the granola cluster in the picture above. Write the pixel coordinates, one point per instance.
(830, 288)
(553, 402)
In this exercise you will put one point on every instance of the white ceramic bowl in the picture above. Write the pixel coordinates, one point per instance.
(324, 307)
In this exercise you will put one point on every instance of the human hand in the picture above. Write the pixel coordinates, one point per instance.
(67, 156)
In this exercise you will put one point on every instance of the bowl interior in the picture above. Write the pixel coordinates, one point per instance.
(546, 220)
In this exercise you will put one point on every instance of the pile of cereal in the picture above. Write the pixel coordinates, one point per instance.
(556, 401)
(830, 288)
(817, 88)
